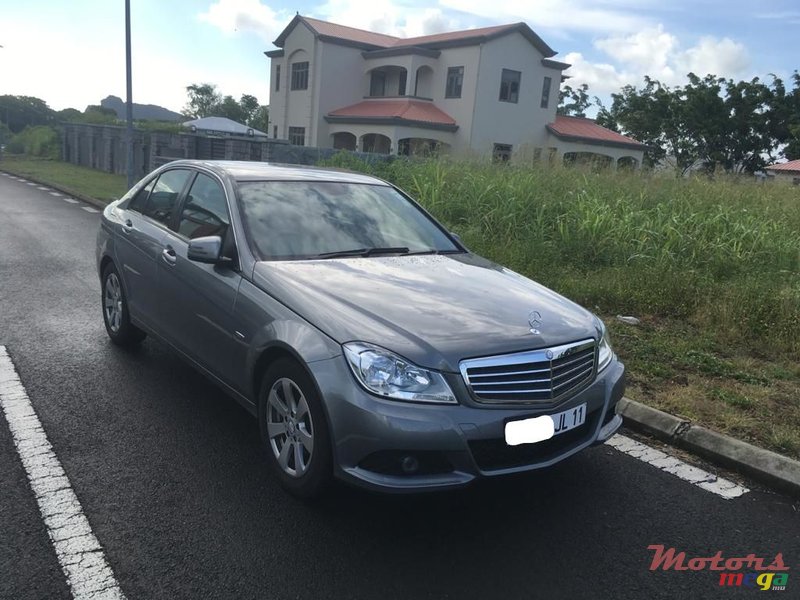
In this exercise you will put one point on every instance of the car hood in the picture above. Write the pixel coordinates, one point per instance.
(435, 310)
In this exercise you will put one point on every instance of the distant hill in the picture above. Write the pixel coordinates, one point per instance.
(141, 111)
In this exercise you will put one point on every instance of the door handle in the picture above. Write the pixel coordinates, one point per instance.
(169, 256)
(127, 226)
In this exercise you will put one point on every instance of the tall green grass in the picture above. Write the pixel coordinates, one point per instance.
(723, 254)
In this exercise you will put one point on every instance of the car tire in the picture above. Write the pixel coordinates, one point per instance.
(114, 304)
(294, 429)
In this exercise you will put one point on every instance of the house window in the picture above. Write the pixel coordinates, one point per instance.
(401, 88)
(501, 153)
(275, 131)
(548, 81)
(377, 83)
(278, 78)
(297, 136)
(509, 86)
(455, 79)
(300, 76)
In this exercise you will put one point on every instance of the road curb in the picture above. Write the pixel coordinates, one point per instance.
(762, 465)
(59, 188)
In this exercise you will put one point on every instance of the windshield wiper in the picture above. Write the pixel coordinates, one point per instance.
(364, 252)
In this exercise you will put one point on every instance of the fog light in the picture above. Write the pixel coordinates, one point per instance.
(409, 464)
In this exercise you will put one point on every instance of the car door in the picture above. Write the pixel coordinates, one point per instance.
(197, 299)
(140, 241)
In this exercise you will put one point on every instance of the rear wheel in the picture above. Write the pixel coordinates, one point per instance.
(115, 310)
(294, 430)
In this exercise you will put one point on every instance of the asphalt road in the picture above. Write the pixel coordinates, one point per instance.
(170, 475)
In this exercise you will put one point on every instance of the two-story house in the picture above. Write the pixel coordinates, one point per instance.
(489, 91)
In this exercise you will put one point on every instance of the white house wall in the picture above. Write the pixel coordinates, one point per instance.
(522, 124)
(460, 109)
(294, 108)
(564, 147)
(341, 84)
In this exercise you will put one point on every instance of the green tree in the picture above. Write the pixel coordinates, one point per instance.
(573, 102)
(19, 112)
(708, 123)
(786, 122)
(249, 106)
(98, 115)
(68, 114)
(260, 119)
(203, 99)
(230, 109)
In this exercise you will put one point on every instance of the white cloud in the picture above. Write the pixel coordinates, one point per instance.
(647, 51)
(602, 78)
(723, 57)
(233, 16)
(659, 54)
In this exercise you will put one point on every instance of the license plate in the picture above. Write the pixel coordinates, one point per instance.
(538, 429)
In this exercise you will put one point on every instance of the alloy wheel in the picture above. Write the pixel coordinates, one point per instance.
(290, 427)
(112, 302)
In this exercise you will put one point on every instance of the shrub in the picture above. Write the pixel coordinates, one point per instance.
(40, 141)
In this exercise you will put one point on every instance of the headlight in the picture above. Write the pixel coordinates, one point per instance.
(387, 374)
(604, 351)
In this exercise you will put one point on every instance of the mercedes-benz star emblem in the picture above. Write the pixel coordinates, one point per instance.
(535, 321)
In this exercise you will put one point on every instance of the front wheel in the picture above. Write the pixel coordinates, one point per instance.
(115, 310)
(294, 430)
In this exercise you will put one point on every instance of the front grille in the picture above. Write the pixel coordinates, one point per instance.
(539, 376)
(495, 454)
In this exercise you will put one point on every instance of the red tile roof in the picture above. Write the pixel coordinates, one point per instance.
(418, 111)
(582, 129)
(454, 35)
(793, 166)
(382, 41)
(351, 33)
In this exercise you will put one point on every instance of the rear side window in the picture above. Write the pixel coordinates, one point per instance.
(164, 197)
(140, 199)
(205, 211)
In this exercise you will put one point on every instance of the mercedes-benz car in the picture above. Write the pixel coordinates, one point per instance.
(368, 341)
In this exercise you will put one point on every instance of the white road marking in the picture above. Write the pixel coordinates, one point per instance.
(55, 194)
(41, 187)
(70, 200)
(702, 479)
(78, 551)
(89, 209)
(30, 183)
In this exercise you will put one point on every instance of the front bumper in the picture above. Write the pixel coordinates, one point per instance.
(451, 445)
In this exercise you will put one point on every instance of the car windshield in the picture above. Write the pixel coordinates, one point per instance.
(317, 219)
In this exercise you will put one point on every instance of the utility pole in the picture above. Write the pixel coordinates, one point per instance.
(129, 103)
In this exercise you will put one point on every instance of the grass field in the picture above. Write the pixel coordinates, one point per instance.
(72, 178)
(712, 269)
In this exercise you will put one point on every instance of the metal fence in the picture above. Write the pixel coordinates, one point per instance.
(104, 147)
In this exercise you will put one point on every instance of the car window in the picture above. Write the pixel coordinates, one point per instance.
(304, 219)
(205, 211)
(162, 200)
(140, 199)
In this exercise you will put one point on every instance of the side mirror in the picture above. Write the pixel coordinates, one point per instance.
(205, 249)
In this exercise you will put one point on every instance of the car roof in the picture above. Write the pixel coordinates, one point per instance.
(241, 170)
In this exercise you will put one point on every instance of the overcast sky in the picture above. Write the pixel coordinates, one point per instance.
(72, 53)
